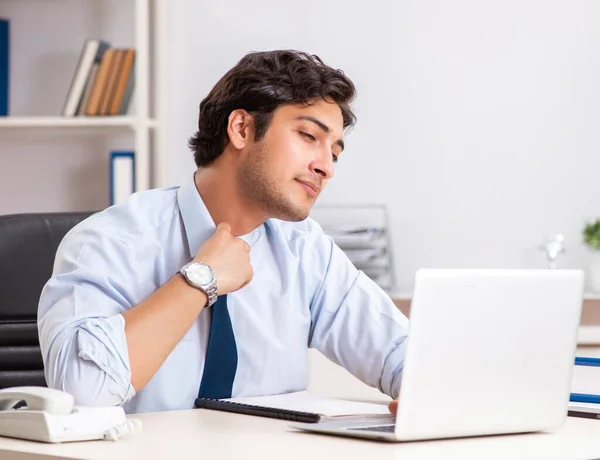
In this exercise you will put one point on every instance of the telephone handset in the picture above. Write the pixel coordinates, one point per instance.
(49, 415)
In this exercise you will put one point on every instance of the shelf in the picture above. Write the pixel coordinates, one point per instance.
(408, 296)
(588, 335)
(74, 122)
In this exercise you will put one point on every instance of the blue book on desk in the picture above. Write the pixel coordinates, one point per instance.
(585, 387)
(4, 65)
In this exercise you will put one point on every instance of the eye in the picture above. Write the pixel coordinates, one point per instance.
(308, 136)
(335, 157)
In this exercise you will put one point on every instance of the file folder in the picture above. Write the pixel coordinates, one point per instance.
(122, 176)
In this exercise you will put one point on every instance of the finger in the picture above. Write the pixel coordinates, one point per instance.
(224, 227)
(244, 284)
(246, 246)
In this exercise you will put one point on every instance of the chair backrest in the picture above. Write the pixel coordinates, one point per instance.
(28, 244)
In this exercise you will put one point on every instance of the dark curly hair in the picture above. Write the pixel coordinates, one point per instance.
(259, 83)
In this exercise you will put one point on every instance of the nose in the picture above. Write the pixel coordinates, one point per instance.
(322, 165)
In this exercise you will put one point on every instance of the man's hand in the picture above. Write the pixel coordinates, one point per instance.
(153, 331)
(393, 407)
(229, 258)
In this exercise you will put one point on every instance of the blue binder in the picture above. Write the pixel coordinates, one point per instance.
(122, 176)
(4, 65)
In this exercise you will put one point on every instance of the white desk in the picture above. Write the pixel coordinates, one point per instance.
(203, 434)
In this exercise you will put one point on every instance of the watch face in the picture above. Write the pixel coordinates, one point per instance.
(199, 274)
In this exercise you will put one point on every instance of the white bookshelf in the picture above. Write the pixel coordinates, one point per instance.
(131, 23)
(76, 122)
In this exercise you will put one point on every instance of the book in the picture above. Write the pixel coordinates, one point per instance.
(122, 84)
(88, 89)
(585, 398)
(128, 94)
(92, 52)
(585, 383)
(109, 88)
(95, 98)
(585, 410)
(300, 406)
(89, 85)
(4, 66)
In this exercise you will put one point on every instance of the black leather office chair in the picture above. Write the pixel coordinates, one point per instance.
(28, 244)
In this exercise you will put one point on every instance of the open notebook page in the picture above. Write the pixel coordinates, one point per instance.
(305, 401)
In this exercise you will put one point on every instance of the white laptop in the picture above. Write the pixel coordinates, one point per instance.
(489, 352)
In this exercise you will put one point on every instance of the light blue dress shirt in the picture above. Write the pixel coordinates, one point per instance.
(305, 293)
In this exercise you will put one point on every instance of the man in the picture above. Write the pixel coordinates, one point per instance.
(216, 288)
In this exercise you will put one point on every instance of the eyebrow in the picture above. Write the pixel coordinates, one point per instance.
(326, 129)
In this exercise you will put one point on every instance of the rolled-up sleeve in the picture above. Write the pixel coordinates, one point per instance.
(80, 322)
(356, 324)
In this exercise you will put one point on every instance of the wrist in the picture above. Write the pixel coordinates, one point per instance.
(201, 277)
(196, 296)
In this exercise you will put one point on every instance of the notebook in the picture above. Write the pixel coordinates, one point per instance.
(301, 406)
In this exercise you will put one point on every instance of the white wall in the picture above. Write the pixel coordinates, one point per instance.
(477, 120)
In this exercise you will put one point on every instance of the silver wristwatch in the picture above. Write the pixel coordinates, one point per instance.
(202, 277)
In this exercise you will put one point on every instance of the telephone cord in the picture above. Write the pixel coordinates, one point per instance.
(130, 426)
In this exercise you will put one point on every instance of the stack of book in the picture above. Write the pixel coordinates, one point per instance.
(585, 388)
(362, 233)
(103, 81)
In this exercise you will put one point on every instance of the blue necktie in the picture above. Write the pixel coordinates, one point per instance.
(221, 355)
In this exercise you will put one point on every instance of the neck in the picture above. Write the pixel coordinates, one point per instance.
(217, 186)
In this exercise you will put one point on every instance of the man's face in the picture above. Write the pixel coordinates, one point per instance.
(285, 172)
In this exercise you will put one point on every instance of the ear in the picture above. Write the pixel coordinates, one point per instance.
(239, 128)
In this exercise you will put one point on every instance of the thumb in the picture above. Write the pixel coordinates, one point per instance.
(224, 227)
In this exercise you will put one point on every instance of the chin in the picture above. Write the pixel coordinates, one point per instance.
(293, 212)
(295, 217)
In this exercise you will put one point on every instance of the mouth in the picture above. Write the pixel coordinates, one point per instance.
(311, 188)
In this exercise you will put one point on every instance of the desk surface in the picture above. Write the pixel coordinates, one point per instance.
(198, 434)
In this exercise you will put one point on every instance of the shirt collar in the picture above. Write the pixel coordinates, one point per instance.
(197, 222)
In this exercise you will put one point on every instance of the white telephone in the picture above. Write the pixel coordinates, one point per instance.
(50, 416)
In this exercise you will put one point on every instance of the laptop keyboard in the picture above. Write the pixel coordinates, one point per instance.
(380, 428)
